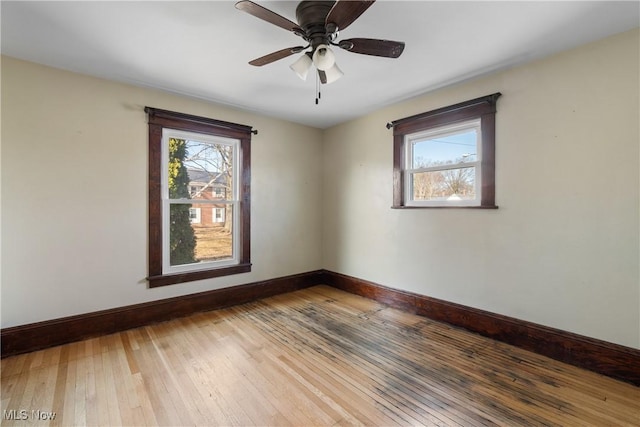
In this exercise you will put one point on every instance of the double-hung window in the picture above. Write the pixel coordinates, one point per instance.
(443, 165)
(446, 157)
(193, 235)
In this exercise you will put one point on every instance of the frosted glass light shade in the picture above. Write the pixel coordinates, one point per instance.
(323, 57)
(333, 73)
(302, 66)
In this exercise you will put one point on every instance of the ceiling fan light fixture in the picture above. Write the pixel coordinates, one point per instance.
(333, 73)
(323, 57)
(302, 66)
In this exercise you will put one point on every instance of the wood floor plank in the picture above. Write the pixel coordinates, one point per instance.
(318, 357)
(270, 371)
(308, 410)
(404, 395)
(380, 359)
(345, 379)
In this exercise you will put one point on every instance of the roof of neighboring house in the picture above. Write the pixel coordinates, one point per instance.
(198, 175)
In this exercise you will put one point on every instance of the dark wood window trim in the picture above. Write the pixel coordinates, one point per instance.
(159, 119)
(483, 108)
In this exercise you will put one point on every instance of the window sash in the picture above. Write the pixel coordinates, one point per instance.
(234, 201)
(410, 142)
(442, 132)
(409, 187)
(168, 133)
(200, 265)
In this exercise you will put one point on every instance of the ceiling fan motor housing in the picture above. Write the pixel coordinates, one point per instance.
(311, 16)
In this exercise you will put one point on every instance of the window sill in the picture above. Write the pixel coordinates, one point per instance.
(172, 279)
(445, 207)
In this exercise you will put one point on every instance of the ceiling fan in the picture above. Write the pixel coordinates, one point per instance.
(318, 24)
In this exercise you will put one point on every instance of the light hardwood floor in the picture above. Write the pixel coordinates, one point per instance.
(316, 357)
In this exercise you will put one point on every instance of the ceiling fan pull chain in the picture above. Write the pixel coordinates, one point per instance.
(317, 89)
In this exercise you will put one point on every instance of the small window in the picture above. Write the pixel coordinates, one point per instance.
(218, 192)
(194, 215)
(218, 215)
(446, 157)
(191, 235)
(443, 165)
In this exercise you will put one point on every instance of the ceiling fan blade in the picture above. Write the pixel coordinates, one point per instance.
(375, 47)
(344, 12)
(274, 56)
(267, 15)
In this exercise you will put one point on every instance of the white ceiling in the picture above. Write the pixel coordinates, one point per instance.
(201, 48)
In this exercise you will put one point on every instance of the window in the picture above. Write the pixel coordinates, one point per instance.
(194, 215)
(218, 215)
(218, 192)
(446, 157)
(186, 155)
(443, 166)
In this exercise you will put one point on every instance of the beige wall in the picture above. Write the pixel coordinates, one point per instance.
(74, 195)
(563, 248)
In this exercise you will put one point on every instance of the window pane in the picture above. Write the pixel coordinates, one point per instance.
(445, 185)
(210, 238)
(446, 148)
(214, 237)
(199, 170)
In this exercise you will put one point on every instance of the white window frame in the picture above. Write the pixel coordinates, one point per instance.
(234, 200)
(197, 218)
(215, 217)
(443, 131)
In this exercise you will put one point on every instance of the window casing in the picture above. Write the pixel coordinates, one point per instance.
(446, 157)
(182, 150)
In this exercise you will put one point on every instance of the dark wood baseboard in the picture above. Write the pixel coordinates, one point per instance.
(36, 336)
(613, 360)
(606, 358)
